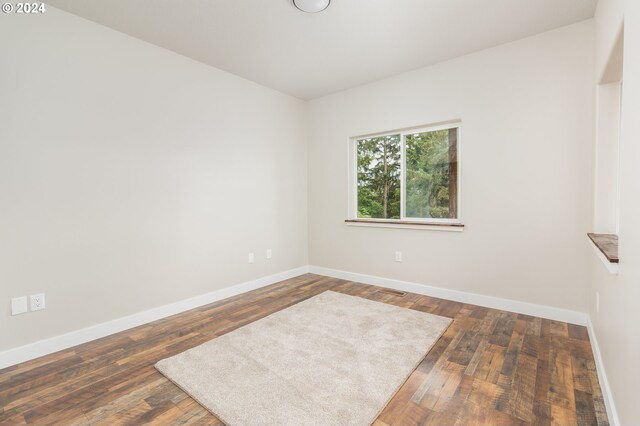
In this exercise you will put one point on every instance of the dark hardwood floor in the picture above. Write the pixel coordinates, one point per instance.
(490, 368)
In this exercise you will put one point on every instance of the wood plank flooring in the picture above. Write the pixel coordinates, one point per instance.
(490, 368)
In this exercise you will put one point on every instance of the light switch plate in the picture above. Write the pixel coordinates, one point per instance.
(19, 305)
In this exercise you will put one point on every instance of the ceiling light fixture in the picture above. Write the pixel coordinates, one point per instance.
(311, 6)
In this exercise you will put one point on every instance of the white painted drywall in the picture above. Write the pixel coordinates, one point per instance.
(526, 171)
(132, 177)
(606, 160)
(616, 325)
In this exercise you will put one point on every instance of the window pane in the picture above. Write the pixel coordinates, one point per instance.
(431, 185)
(379, 177)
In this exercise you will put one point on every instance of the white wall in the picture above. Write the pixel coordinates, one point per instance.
(606, 159)
(526, 171)
(132, 177)
(616, 325)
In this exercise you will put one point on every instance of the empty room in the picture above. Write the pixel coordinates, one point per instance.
(320, 212)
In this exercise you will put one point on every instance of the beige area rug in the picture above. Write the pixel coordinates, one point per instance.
(330, 360)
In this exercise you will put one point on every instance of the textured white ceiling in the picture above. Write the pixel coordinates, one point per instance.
(351, 43)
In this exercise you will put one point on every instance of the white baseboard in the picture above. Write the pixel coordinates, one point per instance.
(612, 413)
(548, 312)
(68, 340)
(558, 314)
(65, 341)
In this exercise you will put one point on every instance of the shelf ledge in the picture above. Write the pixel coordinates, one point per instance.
(606, 247)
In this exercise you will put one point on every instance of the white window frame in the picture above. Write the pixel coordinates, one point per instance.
(404, 220)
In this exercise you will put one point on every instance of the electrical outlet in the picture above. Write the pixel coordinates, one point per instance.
(398, 256)
(19, 305)
(597, 302)
(37, 302)
(251, 258)
(268, 253)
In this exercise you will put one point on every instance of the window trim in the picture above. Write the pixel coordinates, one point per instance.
(415, 223)
(395, 223)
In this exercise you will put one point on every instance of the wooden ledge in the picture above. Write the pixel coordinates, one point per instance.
(404, 222)
(607, 244)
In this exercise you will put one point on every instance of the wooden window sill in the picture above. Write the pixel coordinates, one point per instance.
(407, 224)
(606, 247)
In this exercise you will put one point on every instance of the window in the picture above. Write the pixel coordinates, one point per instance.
(406, 176)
